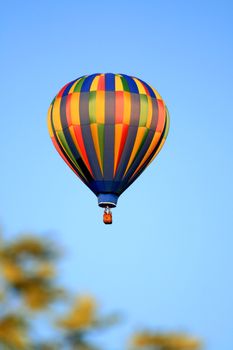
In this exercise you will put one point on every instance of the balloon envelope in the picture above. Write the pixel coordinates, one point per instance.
(108, 128)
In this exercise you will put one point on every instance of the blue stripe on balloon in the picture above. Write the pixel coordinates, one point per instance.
(67, 89)
(87, 82)
(109, 82)
(131, 83)
(151, 92)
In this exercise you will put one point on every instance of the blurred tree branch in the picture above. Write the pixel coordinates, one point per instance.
(29, 288)
(161, 341)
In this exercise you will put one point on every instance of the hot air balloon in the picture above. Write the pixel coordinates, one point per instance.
(108, 128)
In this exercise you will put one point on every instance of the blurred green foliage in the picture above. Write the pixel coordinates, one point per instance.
(28, 288)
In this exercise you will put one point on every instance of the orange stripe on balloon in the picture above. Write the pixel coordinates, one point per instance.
(72, 133)
(161, 116)
(100, 107)
(81, 147)
(56, 116)
(68, 110)
(74, 108)
(119, 106)
(127, 107)
(101, 84)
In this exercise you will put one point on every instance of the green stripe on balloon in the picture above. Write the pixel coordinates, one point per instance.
(101, 142)
(143, 110)
(92, 107)
(125, 84)
(64, 143)
(79, 85)
(142, 143)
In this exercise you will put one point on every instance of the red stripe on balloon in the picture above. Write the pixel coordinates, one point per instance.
(79, 139)
(161, 116)
(62, 90)
(145, 87)
(124, 134)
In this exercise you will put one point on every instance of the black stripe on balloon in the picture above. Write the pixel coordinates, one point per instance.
(109, 135)
(139, 156)
(126, 185)
(62, 150)
(70, 141)
(146, 144)
(87, 135)
(132, 133)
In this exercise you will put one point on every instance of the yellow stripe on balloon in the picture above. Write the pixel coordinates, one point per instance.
(156, 93)
(56, 114)
(150, 112)
(94, 83)
(51, 134)
(100, 107)
(140, 86)
(127, 107)
(118, 83)
(139, 137)
(74, 108)
(73, 86)
(94, 132)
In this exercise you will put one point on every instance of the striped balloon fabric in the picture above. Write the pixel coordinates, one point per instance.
(108, 128)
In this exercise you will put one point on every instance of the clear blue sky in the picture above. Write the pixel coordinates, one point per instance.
(166, 262)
